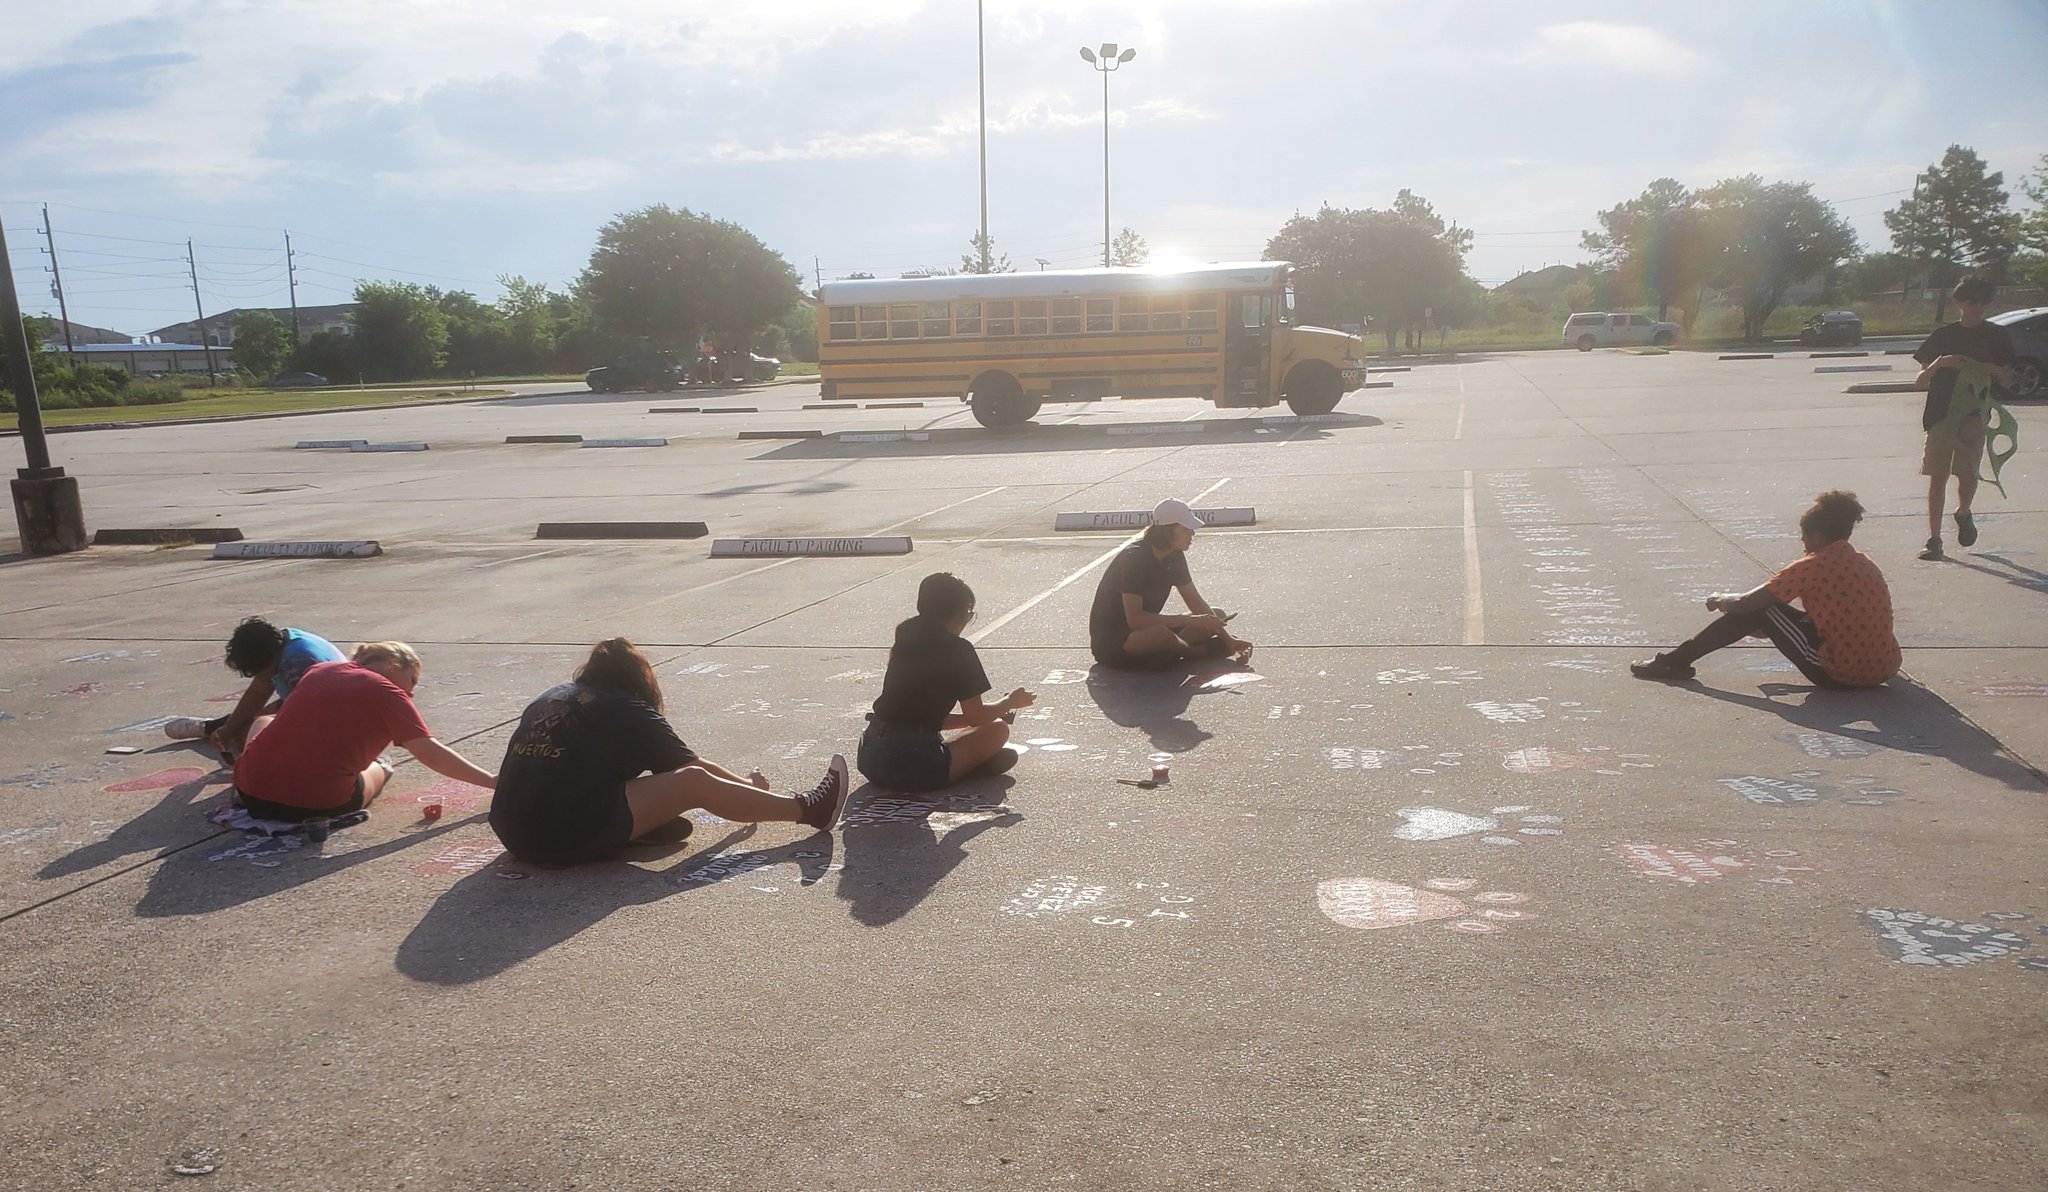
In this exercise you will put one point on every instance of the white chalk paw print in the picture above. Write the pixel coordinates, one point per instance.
(1046, 745)
(1370, 904)
(1501, 826)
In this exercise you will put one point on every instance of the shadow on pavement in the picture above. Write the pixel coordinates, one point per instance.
(1153, 701)
(1033, 438)
(1901, 715)
(203, 880)
(584, 396)
(898, 849)
(177, 820)
(2017, 574)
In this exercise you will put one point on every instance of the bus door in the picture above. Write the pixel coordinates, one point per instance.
(1247, 351)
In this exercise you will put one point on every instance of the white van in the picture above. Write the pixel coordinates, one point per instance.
(1604, 330)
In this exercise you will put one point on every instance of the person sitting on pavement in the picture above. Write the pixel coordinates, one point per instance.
(933, 669)
(273, 660)
(1127, 628)
(319, 756)
(1843, 639)
(594, 766)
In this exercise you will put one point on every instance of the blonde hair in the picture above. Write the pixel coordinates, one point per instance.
(390, 653)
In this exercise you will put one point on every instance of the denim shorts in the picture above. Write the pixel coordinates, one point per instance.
(904, 759)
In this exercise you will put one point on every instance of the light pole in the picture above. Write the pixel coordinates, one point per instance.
(981, 91)
(1105, 61)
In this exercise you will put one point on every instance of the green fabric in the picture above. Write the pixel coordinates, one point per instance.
(2003, 425)
(1972, 404)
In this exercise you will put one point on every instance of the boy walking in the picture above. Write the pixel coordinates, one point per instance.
(1958, 362)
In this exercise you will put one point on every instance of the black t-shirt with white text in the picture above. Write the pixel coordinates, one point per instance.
(1986, 343)
(1138, 571)
(574, 747)
(930, 670)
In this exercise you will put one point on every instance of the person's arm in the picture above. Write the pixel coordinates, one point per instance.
(1938, 364)
(974, 712)
(448, 763)
(1137, 618)
(1193, 599)
(1759, 597)
(230, 736)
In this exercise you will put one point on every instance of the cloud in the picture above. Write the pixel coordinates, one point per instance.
(1620, 47)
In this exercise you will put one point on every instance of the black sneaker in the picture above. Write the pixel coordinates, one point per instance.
(822, 804)
(1001, 762)
(1661, 667)
(1966, 529)
(1933, 551)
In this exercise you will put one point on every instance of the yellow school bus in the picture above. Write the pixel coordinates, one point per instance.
(1007, 343)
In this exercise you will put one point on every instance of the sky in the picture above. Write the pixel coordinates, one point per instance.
(451, 142)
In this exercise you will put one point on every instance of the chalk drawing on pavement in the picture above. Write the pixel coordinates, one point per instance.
(1373, 904)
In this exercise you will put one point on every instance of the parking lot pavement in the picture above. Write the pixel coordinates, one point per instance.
(1443, 900)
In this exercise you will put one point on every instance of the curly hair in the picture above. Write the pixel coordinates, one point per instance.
(1832, 516)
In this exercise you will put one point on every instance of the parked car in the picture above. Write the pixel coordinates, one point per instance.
(298, 380)
(2029, 331)
(762, 368)
(1607, 330)
(656, 376)
(1832, 327)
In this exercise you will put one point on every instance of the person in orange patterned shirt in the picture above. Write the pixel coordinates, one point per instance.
(1842, 639)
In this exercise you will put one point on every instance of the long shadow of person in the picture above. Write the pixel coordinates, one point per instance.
(2017, 574)
(1901, 715)
(484, 925)
(176, 821)
(899, 848)
(1157, 701)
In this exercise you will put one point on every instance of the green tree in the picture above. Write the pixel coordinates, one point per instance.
(262, 344)
(1956, 221)
(981, 256)
(330, 353)
(1389, 266)
(528, 312)
(1129, 249)
(1769, 237)
(400, 331)
(800, 332)
(479, 343)
(1659, 246)
(668, 277)
(2030, 263)
(1877, 273)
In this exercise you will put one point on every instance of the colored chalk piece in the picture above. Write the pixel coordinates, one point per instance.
(325, 444)
(1159, 428)
(674, 409)
(345, 549)
(677, 529)
(389, 447)
(1132, 519)
(543, 438)
(755, 548)
(625, 442)
(782, 434)
(153, 535)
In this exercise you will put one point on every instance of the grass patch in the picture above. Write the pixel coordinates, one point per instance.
(253, 401)
(797, 368)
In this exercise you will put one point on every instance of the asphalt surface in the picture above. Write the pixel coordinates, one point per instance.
(1446, 900)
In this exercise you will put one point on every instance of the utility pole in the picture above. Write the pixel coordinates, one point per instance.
(981, 85)
(46, 507)
(291, 281)
(817, 276)
(57, 287)
(193, 265)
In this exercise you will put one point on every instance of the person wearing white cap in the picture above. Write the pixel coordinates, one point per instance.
(1128, 627)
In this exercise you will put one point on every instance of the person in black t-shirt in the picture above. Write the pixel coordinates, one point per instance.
(593, 766)
(1955, 444)
(931, 670)
(1126, 627)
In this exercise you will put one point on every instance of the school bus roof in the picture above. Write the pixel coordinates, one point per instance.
(1068, 283)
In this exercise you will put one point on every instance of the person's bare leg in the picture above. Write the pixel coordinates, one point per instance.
(658, 799)
(1937, 492)
(373, 780)
(1966, 491)
(975, 746)
(1156, 639)
(754, 778)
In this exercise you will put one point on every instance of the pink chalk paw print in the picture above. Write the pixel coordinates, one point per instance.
(1371, 904)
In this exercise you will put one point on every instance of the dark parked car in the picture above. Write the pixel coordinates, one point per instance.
(297, 381)
(1832, 327)
(2029, 331)
(657, 376)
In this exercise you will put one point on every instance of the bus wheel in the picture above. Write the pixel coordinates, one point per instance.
(1313, 388)
(998, 400)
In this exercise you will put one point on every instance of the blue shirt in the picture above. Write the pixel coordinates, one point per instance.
(302, 652)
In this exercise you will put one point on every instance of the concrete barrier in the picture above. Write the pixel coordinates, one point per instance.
(388, 447)
(782, 434)
(1833, 355)
(730, 410)
(154, 536)
(885, 436)
(675, 410)
(329, 444)
(1849, 368)
(345, 549)
(625, 442)
(770, 548)
(893, 405)
(1132, 519)
(1883, 387)
(1157, 428)
(1748, 356)
(686, 529)
(543, 438)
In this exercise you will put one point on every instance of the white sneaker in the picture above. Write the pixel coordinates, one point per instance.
(185, 728)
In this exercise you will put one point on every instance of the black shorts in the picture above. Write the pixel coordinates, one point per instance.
(594, 828)
(904, 759)
(285, 813)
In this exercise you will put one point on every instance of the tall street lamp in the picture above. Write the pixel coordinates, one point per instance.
(1105, 61)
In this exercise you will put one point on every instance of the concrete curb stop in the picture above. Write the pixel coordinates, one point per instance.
(674, 409)
(1132, 519)
(625, 442)
(772, 548)
(893, 405)
(345, 549)
(681, 529)
(730, 410)
(543, 438)
(1833, 355)
(329, 444)
(782, 434)
(1849, 368)
(1748, 356)
(1883, 387)
(1157, 428)
(389, 447)
(157, 536)
(886, 436)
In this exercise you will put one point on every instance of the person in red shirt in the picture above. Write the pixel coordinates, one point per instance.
(317, 758)
(1843, 638)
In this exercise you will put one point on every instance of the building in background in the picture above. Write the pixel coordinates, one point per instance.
(220, 328)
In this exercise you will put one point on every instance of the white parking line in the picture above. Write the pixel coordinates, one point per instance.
(1475, 592)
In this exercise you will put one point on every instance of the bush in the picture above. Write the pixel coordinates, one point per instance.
(99, 386)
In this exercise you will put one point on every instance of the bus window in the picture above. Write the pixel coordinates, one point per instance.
(841, 323)
(1002, 318)
(1166, 312)
(1253, 310)
(874, 322)
(1031, 316)
(903, 320)
(1202, 312)
(1287, 305)
(967, 319)
(1132, 313)
(938, 320)
(1102, 314)
(1066, 316)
